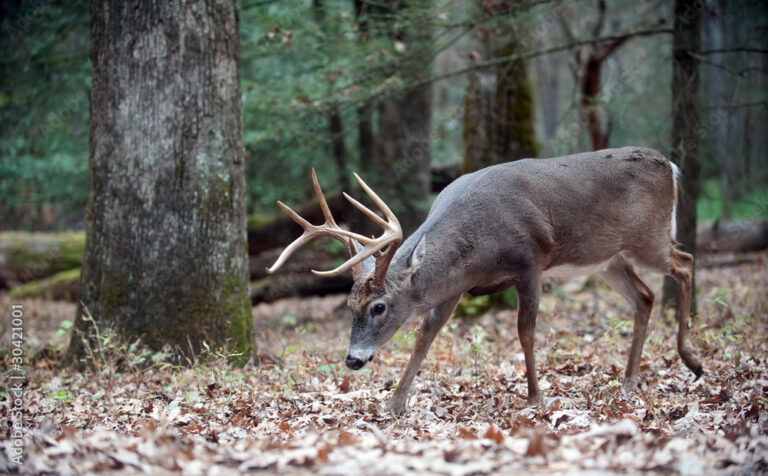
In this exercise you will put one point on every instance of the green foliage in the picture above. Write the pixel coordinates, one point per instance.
(752, 205)
(61, 397)
(470, 306)
(302, 59)
(44, 111)
(65, 328)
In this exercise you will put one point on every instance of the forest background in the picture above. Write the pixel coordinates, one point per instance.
(326, 84)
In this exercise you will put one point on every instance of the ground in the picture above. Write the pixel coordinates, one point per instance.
(298, 410)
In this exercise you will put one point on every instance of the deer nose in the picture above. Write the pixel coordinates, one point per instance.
(354, 363)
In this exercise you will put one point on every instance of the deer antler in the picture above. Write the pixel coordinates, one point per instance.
(383, 247)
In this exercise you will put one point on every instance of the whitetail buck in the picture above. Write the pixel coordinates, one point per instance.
(508, 225)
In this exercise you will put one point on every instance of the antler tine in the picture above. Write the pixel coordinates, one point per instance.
(305, 237)
(298, 243)
(373, 216)
(390, 240)
(321, 199)
(391, 218)
(295, 216)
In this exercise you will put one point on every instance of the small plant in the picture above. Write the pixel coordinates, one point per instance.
(61, 396)
(65, 328)
(404, 341)
(476, 349)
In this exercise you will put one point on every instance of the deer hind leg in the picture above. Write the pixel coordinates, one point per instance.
(621, 277)
(528, 294)
(433, 322)
(681, 268)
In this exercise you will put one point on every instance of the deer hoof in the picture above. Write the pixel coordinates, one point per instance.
(394, 407)
(631, 385)
(698, 371)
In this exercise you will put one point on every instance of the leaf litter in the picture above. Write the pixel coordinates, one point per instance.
(297, 410)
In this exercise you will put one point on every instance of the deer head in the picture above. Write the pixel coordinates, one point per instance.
(379, 305)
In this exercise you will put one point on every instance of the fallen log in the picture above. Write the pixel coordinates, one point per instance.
(320, 254)
(304, 284)
(62, 286)
(27, 257)
(732, 236)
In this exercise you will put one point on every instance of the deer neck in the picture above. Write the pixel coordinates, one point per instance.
(437, 278)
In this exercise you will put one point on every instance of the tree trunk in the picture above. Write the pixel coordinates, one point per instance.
(597, 54)
(364, 111)
(398, 165)
(685, 129)
(498, 106)
(718, 97)
(515, 137)
(336, 129)
(402, 156)
(165, 256)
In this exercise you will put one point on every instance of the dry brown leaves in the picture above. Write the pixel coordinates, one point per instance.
(301, 411)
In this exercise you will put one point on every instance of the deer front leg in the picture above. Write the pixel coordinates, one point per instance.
(528, 293)
(433, 322)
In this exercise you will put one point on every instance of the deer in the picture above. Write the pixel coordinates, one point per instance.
(605, 212)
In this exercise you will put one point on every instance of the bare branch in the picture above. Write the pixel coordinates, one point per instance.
(742, 49)
(534, 54)
(728, 70)
(743, 105)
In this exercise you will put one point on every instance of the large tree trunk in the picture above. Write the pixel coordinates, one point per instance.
(685, 140)
(498, 106)
(165, 256)
(713, 25)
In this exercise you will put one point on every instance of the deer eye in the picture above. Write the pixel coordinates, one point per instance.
(377, 309)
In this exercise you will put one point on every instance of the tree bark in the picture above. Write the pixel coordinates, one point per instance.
(402, 155)
(685, 130)
(590, 89)
(165, 257)
(336, 129)
(498, 105)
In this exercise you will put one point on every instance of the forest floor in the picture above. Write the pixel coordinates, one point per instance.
(299, 410)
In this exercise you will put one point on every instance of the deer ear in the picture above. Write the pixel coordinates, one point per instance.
(369, 263)
(418, 252)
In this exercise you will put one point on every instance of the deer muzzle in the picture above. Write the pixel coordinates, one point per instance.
(357, 360)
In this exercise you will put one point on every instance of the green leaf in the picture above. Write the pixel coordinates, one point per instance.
(326, 368)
